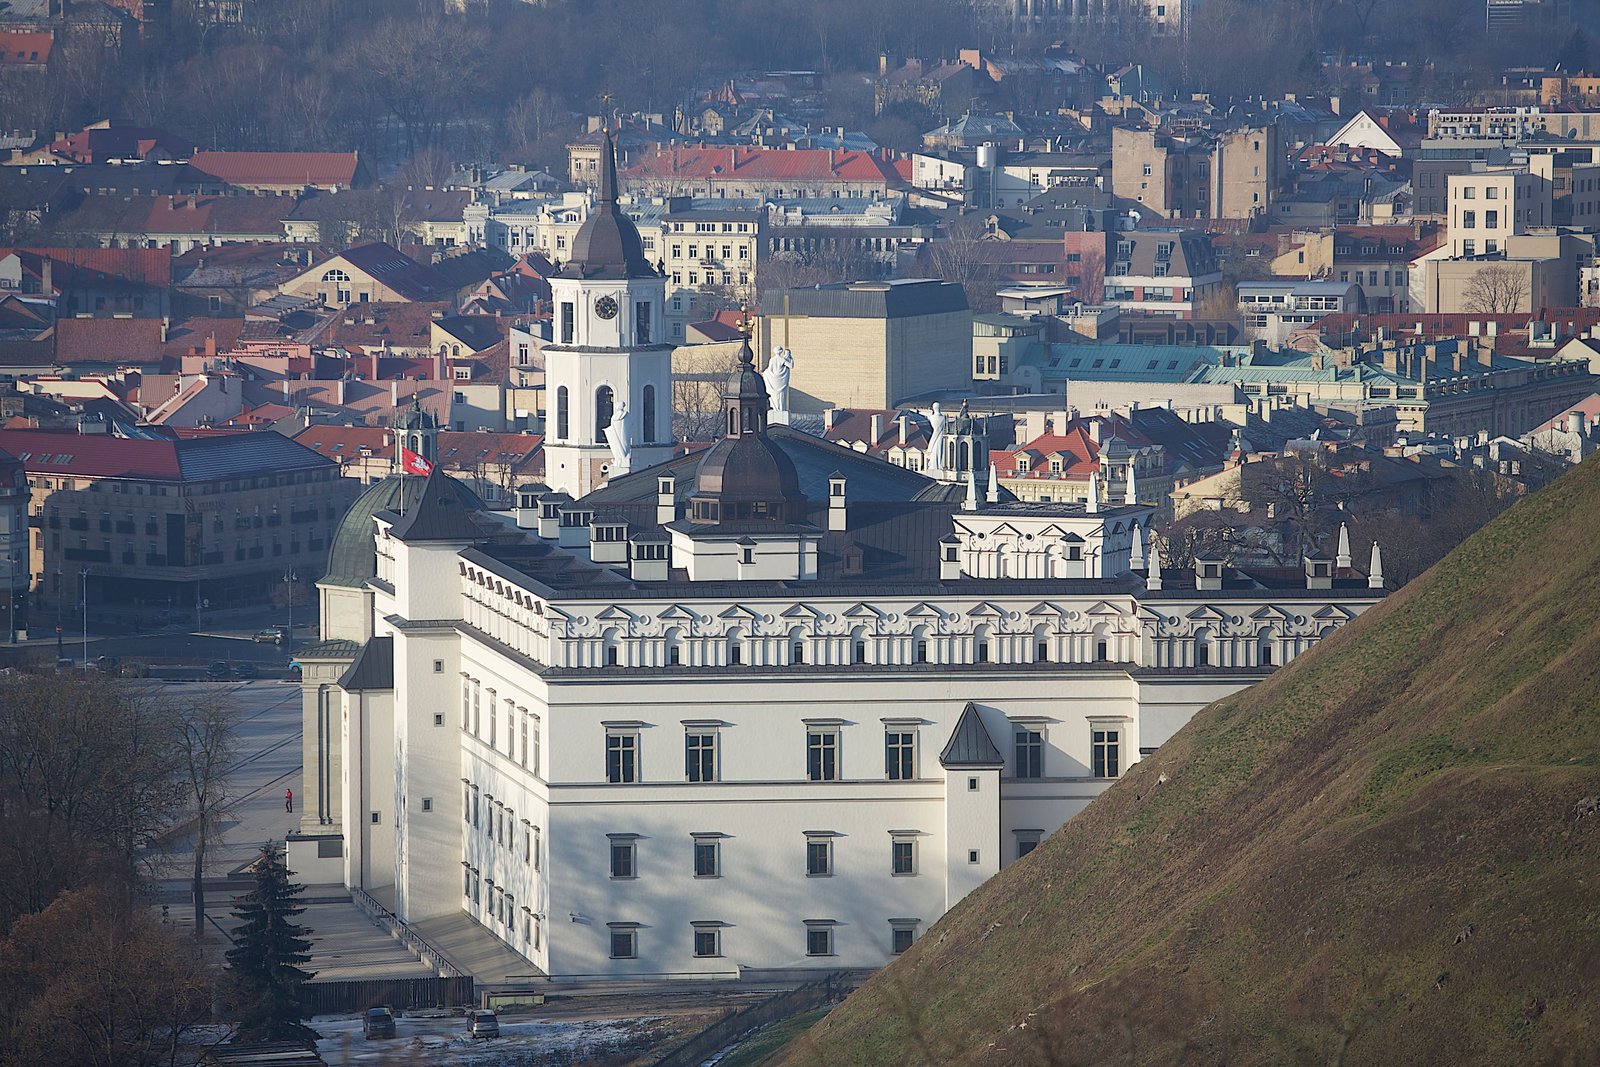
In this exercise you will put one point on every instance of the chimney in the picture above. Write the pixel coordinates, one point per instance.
(394, 393)
(829, 417)
(211, 344)
(666, 500)
(1575, 422)
(902, 420)
(46, 276)
(877, 431)
(1319, 572)
(836, 503)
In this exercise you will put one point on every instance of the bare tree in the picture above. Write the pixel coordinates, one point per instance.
(1499, 289)
(963, 255)
(699, 372)
(207, 737)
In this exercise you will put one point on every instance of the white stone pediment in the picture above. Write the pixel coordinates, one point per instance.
(1270, 612)
(802, 611)
(987, 609)
(1104, 608)
(739, 611)
(678, 613)
(1046, 608)
(863, 611)
(1333, 611)
(924, 610)
(615, 612)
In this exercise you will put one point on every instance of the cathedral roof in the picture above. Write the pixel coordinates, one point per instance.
(607, 245)
(351, 558)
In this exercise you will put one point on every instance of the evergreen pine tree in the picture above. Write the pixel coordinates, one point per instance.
(267, 953)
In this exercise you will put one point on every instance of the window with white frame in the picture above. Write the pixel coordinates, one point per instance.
(700, 755)
(902, 934)
(624, 940)
(1029, 752)
(822, 754)
(1105, 744)
(900, 753)
(622, 757)
(819, 938)
(903, 854)
(819, 855)
(707, 856)
(624, 855)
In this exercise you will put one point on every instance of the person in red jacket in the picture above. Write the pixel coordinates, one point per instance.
(288, 800)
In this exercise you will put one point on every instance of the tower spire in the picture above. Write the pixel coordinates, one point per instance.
(606, 199)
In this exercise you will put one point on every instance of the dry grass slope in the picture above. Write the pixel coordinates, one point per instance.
(1377, 856)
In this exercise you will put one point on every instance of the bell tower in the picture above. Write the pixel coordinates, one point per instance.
(608, 372)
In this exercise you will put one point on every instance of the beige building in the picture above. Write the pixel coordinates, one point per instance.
(1534, 271)
(869, 344)
(369, 274)
(1230, 175)
(213, 522)
(1488, 207)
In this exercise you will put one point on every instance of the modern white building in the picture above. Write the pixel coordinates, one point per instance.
(767, 708)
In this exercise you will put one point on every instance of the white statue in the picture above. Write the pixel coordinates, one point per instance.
(779, 369)
(938, 429)
(617, 437)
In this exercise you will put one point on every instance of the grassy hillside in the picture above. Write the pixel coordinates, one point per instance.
(1377, 856)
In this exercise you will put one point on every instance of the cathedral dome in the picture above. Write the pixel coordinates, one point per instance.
(607, 245)
(746, 476)
(352, 557)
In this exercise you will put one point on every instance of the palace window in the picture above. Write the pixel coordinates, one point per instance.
(707, 941)
(1105, 751)
(1030, 753)
(900, 755)
(624, 941)
(707, 857)
(622, 758)
(624, 856)
(902, 936)
(822, 755)
(700, 757)
(819, 856)
(903, 855)
(819, 940)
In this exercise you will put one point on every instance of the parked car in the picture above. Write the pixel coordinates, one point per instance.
(244, 670)
(217, 669)
(272, 635)
(379, 1022)
(482, 1023)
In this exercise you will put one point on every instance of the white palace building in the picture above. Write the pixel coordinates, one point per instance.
(771, 707)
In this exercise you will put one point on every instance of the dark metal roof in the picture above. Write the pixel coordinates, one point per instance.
(970, 744)
(351, 555)
(373, 668)
(607, 245)
(870, 300)
(438, 515)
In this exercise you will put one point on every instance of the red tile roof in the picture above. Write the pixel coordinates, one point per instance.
(101, 144)
(767, 164)
(278, 168)
(91, 455)
(134, 216)
(17, 47)
(93, 266)
(118, 341)
(456, 451)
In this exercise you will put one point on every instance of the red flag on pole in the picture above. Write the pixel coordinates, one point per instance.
(411, 463)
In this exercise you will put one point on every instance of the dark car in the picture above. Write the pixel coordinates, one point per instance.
(244, 670)
(379, 1022)
(217, 669)
(482, 1023)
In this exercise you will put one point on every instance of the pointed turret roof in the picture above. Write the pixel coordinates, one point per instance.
(970, 744)
(607, 245)
(438, 515)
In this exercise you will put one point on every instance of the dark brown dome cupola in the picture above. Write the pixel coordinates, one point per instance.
(746, 477)
(607, 246)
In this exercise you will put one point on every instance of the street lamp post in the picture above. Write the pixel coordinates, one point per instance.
(85, 575)
(289, 578)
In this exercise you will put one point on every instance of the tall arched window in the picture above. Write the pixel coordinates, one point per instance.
(339, 283)
(561, 413)
(603, 398)
(858, 645)
(647, 419)
(335, 275)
